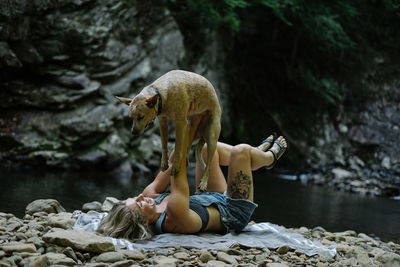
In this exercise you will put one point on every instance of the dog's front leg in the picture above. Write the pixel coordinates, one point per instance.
(163, 121)
(180, 143)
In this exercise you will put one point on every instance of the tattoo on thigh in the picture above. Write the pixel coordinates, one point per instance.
(239, 187)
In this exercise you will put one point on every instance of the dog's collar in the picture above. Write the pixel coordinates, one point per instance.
(159, 107)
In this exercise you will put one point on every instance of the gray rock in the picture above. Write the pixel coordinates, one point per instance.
(18, 247)
(388, 259)
(69, 252)
(277, 264)
(95, 205)
(206, 256)
(108, 203)
(80, 240)
(215, 263)
(182, 256)
(164, 261)
(125, 263)
(8, 57)
(222, 256)
(59, 259)
(283, 249)
(62, 220)
(44, 205)
(133, 254)
(110, 257)
(40, 261)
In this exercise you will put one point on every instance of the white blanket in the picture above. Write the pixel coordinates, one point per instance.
(258, 235)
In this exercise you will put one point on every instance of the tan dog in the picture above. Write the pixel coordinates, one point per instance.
(190, 101)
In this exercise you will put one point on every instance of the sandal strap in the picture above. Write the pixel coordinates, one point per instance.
(281, 149)
(270, 140)
(274, 161)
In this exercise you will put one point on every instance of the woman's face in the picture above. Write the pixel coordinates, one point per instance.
(145, 205)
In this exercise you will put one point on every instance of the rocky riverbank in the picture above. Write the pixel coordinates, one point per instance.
(45, 237)
(356, 178)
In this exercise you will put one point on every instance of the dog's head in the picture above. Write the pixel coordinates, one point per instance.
(142, 110)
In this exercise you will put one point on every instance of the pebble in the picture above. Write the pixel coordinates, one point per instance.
(354, 249)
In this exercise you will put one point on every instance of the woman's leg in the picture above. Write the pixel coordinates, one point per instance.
(243, 160)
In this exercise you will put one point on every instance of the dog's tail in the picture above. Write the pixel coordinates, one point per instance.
(199, 158)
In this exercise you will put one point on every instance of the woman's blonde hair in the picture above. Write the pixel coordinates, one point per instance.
(123, 222)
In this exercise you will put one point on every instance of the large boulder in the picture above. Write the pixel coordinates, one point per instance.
(44, 205)
(79, 239)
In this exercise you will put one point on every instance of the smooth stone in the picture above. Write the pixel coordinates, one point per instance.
(110, 257)
(215, 263)
(108, 203)
(277, 264)
(44, 205)
(206, 257)
(69, 252)
(37, 241)
(389, 259)
(40, 261)
(222, 256)
(62, 220)
(125, 263)
(182, 256)
(165, 261)
(95, 205)
(79, 239)
(133, 254)
(18, 247)
(59, 259)
(283, 249)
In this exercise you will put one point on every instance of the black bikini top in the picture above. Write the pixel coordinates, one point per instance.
(202, 212)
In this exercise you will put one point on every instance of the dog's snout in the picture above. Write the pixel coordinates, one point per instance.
(134, 132)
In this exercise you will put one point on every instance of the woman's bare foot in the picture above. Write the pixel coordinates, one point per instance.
(266, 144)
(278, 149)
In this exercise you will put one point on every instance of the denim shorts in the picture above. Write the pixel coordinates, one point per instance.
(235, 213)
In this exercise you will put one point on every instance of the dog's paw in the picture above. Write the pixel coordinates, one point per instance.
(203, 185)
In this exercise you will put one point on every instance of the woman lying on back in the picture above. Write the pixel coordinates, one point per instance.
(227, 206)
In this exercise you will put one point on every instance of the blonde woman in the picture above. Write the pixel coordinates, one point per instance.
(227, 206)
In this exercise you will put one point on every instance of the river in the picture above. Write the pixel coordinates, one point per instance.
(283, 202)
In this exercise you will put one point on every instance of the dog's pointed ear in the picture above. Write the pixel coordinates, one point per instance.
(124, 100)
(152, 101)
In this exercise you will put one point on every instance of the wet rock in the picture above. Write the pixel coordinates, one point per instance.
(44, 205)
(80, 240)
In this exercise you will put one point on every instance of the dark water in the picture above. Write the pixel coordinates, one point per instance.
(283, 202)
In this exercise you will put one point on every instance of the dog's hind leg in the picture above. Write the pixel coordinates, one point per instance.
(211, 135)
